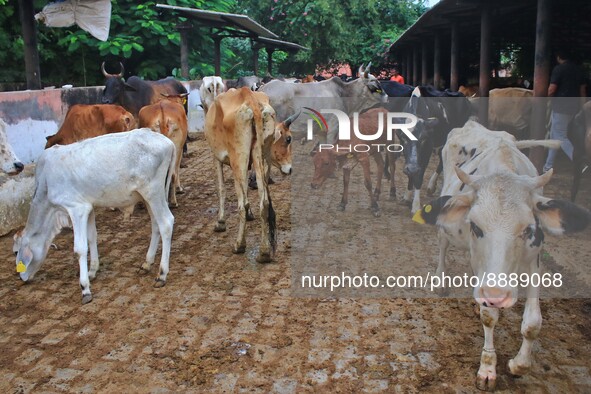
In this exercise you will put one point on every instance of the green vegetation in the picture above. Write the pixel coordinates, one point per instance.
(146, 40)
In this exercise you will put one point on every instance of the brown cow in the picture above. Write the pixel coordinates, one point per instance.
(325, 160)
(168, 118)
(240, 128)
(87, 121)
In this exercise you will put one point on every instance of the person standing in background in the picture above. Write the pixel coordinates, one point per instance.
(396, 77)
(567, 86)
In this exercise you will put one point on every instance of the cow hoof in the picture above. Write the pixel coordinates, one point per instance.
(486, 383)
(92, 276)
(405, 202)
(376, 213)
(220, 227)
(159, 283)
(86, 298)
(249, 216)
(264, 258)
(430, 192)
(518, 369)
(271, 181)
(392, 197)
(239, 250)
(341, 207)
(180, 190)
(173, 205)
(143, 270)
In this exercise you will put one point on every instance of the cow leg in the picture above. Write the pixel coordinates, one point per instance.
(380, 164)
(364, 161)
(154, 241)
(443, 247)
(267, 214)
(92, 243)
(221, 224)
(160, 213)
(392, 163)
(530, 328)
(241, 185)
(486, 378)
(345, 197)
(435, 177)
(406, 199)
(79, 216)
(416, 201)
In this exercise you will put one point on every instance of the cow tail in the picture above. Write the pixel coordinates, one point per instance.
(272, 220)
(171, 168)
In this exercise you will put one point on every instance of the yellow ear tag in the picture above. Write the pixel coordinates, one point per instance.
(20, 267)
(184, 101)
(427, 208)
(418, 217)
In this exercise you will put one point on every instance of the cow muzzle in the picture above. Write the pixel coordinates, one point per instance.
(411, 169)
(495, 297)
(286, 169)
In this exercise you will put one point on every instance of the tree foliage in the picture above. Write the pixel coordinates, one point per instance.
(145, 39)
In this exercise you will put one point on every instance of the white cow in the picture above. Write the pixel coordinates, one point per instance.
(8, 160)
(492, 204)
(113, 170)
(210, 88)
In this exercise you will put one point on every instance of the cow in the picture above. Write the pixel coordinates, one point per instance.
(87, 121)
(11, 165)
(168, 118)
(325, 160)
(441, 111)
(510, 109)
(110, 170)
(492, 205)
(240, 128)
(136, 93)
(210, 88)
(470, 91)
(288, 98)
(579, 133)
(252, 82)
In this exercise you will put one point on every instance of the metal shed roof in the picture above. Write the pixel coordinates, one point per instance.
(223, 20)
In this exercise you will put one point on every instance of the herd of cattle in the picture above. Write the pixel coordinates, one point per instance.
(491, 201)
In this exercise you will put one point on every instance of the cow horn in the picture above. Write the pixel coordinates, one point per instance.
(293, 117)
(107, 75)
(366, 71)
(361, 68)
(120, 75)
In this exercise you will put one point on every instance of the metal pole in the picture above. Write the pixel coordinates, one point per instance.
(183, 30)
(454, 69)
(32, 70)
(541, 80)
(270, 60)
(415, 66)
(409, 66)
(424, 56)
(217, 41)
(255, 58)
(437, 62)
(484, 80)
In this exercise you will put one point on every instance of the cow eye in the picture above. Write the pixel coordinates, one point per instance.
(475, 230)
(527, 232)
(288, 139)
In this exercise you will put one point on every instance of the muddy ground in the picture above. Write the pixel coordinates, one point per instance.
(224, 323)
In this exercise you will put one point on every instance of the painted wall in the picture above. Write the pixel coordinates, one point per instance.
(33, 115)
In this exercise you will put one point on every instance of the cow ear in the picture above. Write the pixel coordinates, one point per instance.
(446, 210)
(277, 134)
(560, 217)
(129, 87)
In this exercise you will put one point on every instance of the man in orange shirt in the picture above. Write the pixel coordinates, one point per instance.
(396, 76)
